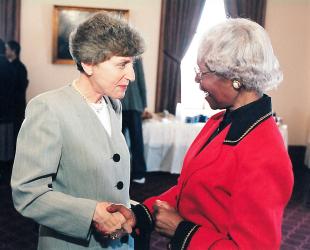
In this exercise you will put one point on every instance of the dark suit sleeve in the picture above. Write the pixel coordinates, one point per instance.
(23, 78)
(140, 79)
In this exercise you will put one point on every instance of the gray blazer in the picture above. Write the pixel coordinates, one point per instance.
(65, 163)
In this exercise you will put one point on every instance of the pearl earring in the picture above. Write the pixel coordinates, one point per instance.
(236, 84)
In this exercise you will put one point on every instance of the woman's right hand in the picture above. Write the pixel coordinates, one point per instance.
(106, 222)
(128, 215)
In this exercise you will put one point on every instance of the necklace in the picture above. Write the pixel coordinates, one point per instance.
(96, 106)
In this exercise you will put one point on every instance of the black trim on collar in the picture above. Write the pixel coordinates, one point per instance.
(246, 118)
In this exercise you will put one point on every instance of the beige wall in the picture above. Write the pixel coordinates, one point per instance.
(287, 21)
(288, 24)
(36, 41)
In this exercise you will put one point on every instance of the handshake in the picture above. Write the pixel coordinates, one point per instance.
(116, 220)
(113, 220)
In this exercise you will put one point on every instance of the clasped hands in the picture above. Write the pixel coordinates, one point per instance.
(113, 222)
(116, 220)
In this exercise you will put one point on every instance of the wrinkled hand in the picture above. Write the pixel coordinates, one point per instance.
(106, 222)
(127, 213)
(166, 217)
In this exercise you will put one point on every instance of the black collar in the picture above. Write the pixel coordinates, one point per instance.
(246, 118)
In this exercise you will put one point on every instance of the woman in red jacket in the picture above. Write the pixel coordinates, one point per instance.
(237, 176)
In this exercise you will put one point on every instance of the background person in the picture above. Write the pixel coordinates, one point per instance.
(72, 160)
(134, 104)
(7, 114)
(21, 78)
(237, 176)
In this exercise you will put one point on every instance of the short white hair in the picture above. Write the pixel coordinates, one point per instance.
(241, 49)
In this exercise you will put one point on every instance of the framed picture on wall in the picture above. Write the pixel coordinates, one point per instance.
(65, 19)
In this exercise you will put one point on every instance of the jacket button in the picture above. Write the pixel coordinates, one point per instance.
(116, 157)
(120, 185)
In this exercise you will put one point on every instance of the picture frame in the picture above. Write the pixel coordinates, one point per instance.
(65, 19)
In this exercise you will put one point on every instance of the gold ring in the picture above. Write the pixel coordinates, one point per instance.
(114, 236)
(117, 234)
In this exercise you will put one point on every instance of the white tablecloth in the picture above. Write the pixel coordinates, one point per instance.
(166, 143)
(284, 133)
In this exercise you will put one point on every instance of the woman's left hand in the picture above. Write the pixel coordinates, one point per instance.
(166, 217)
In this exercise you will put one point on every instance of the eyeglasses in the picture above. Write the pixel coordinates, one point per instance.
(200, 74)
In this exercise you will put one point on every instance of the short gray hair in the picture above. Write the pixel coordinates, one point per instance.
(241, 49)
(102, 36)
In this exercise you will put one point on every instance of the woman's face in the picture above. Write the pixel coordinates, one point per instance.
(112, 77)
(220, 93)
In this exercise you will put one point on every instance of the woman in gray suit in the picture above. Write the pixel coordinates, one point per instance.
(72, 160)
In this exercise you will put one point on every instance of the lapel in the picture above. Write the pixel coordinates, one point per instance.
(245, 119)
(88, 116)
(115, 122)
(198, 157)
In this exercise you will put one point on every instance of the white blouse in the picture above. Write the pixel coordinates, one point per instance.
(101, 110)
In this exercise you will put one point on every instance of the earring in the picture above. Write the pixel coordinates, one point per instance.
(236, 84)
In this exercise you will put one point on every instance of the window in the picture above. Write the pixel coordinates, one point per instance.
(191, 96)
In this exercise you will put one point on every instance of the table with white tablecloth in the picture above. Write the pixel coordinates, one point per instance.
(166, 142)
(284, 132)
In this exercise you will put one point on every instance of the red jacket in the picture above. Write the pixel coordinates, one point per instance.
(235, 191)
